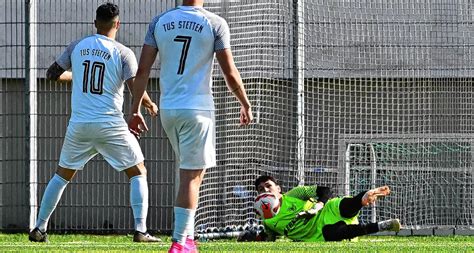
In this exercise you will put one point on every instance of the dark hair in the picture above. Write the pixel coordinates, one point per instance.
(107, 12)
(264, 178)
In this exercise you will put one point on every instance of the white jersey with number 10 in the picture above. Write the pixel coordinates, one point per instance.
(100, 66)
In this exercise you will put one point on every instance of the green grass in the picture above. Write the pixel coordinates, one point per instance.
(123, 243)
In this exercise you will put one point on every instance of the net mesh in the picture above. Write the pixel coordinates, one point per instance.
(348, 94)
(430, 178)
(372, 69)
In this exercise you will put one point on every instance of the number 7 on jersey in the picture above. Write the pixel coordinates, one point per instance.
(186, 40)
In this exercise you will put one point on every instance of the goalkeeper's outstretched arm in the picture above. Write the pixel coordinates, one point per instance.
(318, 193)
(323, 194)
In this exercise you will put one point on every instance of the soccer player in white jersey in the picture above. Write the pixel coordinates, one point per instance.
(99, 66)
(186, 39)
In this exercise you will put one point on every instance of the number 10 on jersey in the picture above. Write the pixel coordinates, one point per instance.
(93, 76)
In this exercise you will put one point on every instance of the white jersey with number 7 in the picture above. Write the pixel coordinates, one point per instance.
(187, 38)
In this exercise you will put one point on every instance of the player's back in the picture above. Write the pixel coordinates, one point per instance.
(99, 67)
(186, 38)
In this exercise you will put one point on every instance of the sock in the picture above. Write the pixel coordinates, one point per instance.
(190, 226)
(372, 228)
(52, 195)
(341, 231)
(139, 201)
(183, 220)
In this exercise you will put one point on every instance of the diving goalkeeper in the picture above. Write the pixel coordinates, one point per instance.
(309, 214)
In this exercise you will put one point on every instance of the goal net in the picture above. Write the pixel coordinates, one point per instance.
(318, 72)
(431, 178)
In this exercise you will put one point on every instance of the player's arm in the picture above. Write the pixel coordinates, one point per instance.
(138, 89)
(147, 58)
(323, 194)
(235, 84)
(320, 193)
(149, 105)
(57, 73)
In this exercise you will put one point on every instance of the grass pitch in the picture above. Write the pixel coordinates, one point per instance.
(123, 243)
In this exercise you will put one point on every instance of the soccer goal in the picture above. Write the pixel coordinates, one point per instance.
(430, 176)
(349, 94)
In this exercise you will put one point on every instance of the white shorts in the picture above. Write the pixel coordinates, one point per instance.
(192, 135)
(112, 140)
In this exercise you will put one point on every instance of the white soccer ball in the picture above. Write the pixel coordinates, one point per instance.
(267, 205)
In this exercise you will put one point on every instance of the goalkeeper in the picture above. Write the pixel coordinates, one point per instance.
(308, 213)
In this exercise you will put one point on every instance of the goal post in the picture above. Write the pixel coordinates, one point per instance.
(430, 176)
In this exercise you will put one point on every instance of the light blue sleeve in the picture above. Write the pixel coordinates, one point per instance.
(150, 39)
(129, 63)
(222, 34)
(64, 60)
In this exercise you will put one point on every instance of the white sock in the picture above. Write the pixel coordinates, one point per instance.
(52, 195)
(139, 201)
(190, 226)
(183, 220)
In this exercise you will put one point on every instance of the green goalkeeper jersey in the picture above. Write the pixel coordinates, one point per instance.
(302, 198)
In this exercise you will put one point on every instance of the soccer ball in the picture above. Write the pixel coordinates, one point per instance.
(267, 205)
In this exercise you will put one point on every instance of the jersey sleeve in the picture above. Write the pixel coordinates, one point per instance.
(64, 60)
(222, 34)
(129, 64)
(150, 39)
(303, 192)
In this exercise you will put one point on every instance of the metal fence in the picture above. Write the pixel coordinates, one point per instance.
(317, 73)
(34, 115)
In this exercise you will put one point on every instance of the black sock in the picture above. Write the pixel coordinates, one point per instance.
(341, 231)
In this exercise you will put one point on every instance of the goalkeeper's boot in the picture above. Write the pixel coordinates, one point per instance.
(176, 248)
(389, 225)
(36, 235)
(190, 246)
(371, 195)
(144, 237)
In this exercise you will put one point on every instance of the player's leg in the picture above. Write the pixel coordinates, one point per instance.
(75, 153)
(139, 202)
(192, 136)
(52, 194)
(185, 207)
(122, 151)
(138, 195)
(342, 231)
(350, 206)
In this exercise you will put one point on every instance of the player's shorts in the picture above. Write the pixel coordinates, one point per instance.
(330, 214)
(112, 140)
(192, 135)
